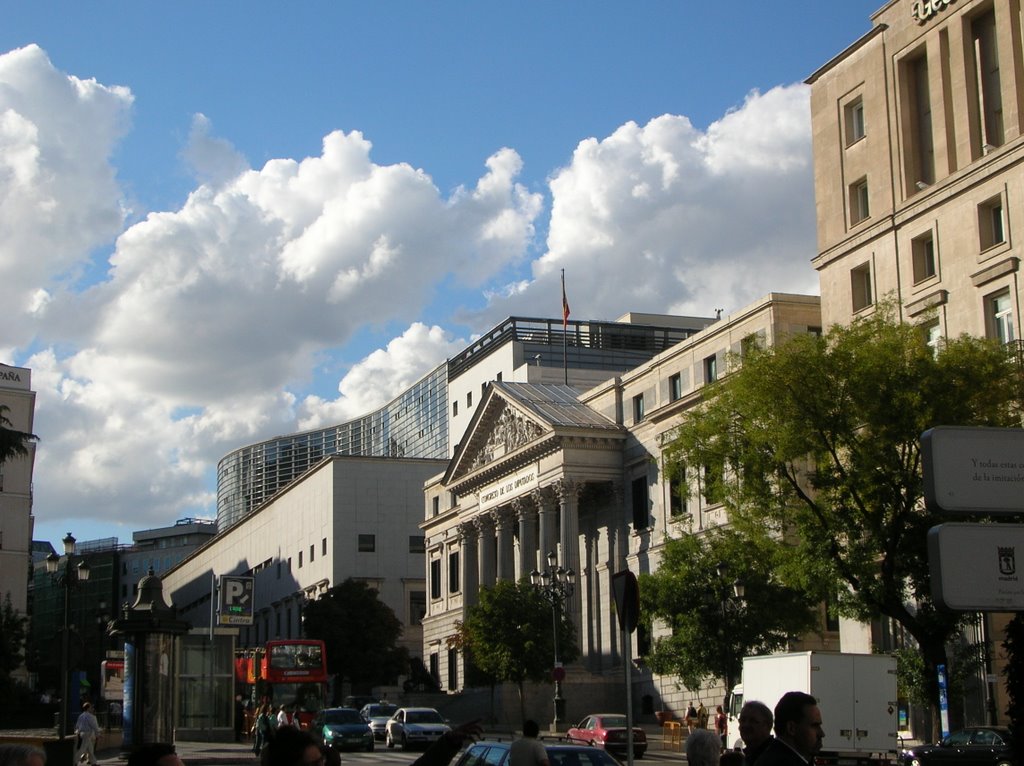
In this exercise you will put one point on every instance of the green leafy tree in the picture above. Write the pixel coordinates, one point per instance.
(12, 443)
(711, 630)
(12, 643)
(360, 633)
(509, 636)
(819, 437)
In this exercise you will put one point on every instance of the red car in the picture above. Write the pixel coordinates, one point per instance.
(608, 730)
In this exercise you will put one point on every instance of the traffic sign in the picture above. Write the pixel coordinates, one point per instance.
(236, 600)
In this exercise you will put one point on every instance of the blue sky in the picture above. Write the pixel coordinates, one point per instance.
(226, 221)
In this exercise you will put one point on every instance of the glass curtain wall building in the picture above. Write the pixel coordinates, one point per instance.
(416, 423)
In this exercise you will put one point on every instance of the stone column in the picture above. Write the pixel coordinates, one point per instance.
(526, 515)
(505, 538)
(485, 525)
(568, 492)
(470, 565)
(544, 500)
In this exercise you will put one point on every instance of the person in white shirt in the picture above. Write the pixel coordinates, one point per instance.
(88, 729)
(528, 751)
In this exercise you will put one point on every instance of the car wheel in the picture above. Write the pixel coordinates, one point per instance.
(388, 741)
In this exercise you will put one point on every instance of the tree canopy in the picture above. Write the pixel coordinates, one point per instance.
(12, 641)
(711, 629)
(12, 443)
(360, 633)
(509, 635)
(818, 437)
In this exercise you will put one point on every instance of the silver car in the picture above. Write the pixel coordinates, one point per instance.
(377, 715)
(415, 727)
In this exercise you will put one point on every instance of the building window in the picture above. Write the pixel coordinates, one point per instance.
(367, 543)
(453, 669)
(991, 224)
(278, 570)
(989, 99)
(923, 249)
(675, 387)
(469, 399)
(920, 144)
(932, 335)
(435, 578)
(435, 668)
(677, 491)
(999, 310)
(859, 209)
(453, 572)
(417, 544)
(854, 121)
(323, 547)
(435, 505)
(417, 607)
(641, 503)
(711, 369)
(455, 409)
(312, 553)
(638, 408)
(860, 284)
(300, 559)
(713, 478)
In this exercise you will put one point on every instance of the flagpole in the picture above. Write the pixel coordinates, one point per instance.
(565, 331)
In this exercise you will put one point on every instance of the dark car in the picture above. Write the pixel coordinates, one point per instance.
(608, 730)
(496, 754)
(342, 728)
(975, 746)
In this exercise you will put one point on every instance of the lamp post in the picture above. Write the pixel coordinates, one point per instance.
(555, 585)
(67, 580)
(731, 600)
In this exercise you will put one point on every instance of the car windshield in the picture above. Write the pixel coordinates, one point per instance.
(614, 721)
(423, 716)
(342, 716)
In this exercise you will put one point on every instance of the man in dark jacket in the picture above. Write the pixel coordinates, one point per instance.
(798, 732)
(755, 729)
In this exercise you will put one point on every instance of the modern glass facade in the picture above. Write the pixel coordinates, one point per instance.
(415, 424)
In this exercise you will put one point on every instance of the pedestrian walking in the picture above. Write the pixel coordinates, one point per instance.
(262, 726)
(527, 750)
(702, 716)
(88, 730)
(721, 725)
(691, 718)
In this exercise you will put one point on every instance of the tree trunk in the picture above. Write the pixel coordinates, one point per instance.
(1014, 672)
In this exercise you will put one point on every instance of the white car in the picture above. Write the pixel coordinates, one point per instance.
(415, 727)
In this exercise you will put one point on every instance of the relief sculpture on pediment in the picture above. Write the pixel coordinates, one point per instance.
(510, 432)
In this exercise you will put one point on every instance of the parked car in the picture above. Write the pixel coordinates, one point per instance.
(342, 728)
(608, 730)
(496, 754)
(376, 716)
(415, 727)
(975, 746)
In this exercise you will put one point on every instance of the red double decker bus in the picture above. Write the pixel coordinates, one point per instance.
(290, 672)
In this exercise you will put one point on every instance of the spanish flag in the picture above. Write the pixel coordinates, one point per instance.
(565, 304)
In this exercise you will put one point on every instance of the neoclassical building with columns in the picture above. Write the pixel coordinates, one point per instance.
(550, 468)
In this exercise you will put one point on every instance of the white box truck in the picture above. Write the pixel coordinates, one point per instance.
(856, 694)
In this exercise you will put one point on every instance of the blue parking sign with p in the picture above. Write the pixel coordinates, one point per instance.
(236, 600)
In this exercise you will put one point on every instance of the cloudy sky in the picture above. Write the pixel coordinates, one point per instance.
(221, 222)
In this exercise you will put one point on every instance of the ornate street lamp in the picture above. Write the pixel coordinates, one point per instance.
(68, 580)
(555, 586)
